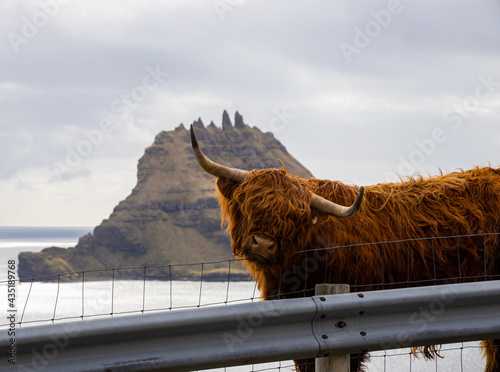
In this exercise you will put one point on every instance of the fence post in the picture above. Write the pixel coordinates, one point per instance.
(333, 363)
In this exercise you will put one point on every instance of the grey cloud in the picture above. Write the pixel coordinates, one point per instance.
(261, 56)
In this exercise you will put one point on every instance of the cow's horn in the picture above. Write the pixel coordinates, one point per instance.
(326, 206)
(217, 170)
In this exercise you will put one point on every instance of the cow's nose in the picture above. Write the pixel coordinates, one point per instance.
(259, 246)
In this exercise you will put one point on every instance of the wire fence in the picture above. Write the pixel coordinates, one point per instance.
(481, 267)
(126, 290)
(118, 291)
(458, 357)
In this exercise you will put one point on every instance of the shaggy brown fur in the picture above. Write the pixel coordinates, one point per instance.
(276, 204)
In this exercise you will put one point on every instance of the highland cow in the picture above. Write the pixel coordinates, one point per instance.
(282, 224)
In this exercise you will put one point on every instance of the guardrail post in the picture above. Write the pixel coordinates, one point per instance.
(332, 363)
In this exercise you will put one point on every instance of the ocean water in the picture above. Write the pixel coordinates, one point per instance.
(14, 240)
(45, 303)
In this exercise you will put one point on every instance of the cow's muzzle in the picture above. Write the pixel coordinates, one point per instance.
(260, 248)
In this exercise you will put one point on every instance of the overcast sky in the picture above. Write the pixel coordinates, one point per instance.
(358, 91)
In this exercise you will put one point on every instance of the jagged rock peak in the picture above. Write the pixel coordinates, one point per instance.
(198, 123)
(212, 125)
(238, 121)
(226, 122)
(180, 127)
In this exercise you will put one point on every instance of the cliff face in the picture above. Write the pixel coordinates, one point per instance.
(172, 215)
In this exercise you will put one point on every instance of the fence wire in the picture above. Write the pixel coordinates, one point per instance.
(126, 290)
(152, 288)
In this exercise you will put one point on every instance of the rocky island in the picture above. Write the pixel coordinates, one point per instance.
(172, 216)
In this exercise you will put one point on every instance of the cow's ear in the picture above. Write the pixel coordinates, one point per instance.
(226, 187)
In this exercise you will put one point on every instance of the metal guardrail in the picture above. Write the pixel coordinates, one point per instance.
(267, 331)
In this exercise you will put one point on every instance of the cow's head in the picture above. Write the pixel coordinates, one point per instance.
(268, 211)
